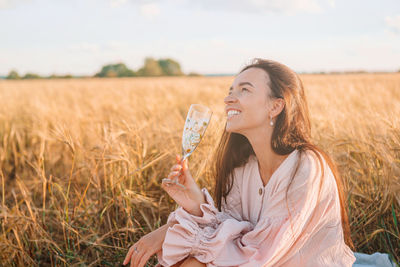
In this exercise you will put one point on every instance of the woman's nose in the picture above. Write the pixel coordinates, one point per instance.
(230, 99)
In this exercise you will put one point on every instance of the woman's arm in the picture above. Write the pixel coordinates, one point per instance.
(163, 229)
(231, 209)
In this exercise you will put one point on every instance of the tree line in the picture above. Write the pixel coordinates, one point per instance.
(150, 68)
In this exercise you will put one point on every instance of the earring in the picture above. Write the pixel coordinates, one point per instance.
(272, 122)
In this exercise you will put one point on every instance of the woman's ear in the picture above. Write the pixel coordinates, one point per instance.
(277, 107)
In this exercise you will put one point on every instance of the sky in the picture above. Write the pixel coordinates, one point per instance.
(78, 37)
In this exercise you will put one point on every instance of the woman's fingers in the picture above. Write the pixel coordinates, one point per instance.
(144, 259)
(135, 261)
(128, 255)
(137, 255)
(141, 259)
(136, 258)
(176, 167)
(176, 171)
(174, 177)
(173, 174)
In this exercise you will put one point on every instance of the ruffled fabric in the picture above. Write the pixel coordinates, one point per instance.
(308, 235)
(231, 209)
(195, 235)
(216, 238)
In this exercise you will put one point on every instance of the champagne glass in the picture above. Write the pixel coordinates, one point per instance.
(196, 124)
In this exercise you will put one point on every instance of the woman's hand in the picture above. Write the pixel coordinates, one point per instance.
(147, 246)
(189, 198)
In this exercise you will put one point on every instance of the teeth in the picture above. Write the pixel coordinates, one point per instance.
(233, 112)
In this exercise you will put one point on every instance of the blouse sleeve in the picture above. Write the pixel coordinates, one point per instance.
(231, 209)
(273, 240)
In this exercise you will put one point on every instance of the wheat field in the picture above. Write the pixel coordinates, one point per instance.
(81, 160)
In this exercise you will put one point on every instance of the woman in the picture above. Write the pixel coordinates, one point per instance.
(280, 199)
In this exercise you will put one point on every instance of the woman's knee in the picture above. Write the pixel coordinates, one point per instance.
(192, 262)
(179, 264)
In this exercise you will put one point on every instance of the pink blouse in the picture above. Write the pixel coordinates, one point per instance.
(254, 227)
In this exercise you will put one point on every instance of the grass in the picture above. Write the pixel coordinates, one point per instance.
(81, 161)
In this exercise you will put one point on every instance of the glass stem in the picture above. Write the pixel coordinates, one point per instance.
(184, 157)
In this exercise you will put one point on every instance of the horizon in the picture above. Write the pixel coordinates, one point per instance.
(3, 77)
(359, 71)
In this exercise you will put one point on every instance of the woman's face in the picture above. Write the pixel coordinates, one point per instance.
(249, 100)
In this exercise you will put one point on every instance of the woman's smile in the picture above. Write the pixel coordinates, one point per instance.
(232, 113)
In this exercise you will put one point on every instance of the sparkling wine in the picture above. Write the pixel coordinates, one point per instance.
(196, 124)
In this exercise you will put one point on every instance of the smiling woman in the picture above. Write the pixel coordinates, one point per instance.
(280, 199)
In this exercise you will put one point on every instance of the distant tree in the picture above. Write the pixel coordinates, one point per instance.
(151, 68)
(170, 67)
(31, 76)
(111, 73)
(55, 76)
(194, 74)
(115, 70)
(13, 75)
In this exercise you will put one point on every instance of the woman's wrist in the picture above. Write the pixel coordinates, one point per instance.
(196, 212)
(163, 229)
(196, 209)
(170, 224)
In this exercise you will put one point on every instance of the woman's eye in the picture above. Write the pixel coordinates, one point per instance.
(230, 92)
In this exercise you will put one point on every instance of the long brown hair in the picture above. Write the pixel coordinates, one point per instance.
(292, 131)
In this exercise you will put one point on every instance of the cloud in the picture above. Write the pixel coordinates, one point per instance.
(393, 23)
(262, 6)
(118, 3)
(150, 10)
(114, 45)
(216, 42)
(84, 47)
(93, 48)
(147, 8)
(4, 4)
